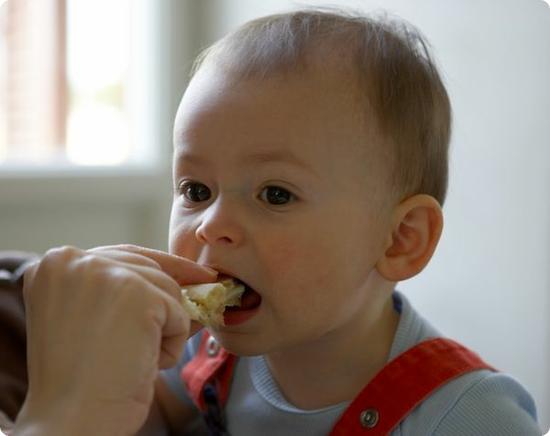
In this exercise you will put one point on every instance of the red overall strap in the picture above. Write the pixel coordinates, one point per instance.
(390, 396)
(211, 364)
(404, 383)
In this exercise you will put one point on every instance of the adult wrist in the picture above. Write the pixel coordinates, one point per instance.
(69, 418)
(29, 426)
(41, 421)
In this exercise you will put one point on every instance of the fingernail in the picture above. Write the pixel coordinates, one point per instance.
(210, 270)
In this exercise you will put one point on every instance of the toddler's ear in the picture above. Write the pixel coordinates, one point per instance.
(415, 232)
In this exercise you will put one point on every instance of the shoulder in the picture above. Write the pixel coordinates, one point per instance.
(481, 403)
(494, 404)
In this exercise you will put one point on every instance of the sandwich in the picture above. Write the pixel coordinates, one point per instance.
(206, 302)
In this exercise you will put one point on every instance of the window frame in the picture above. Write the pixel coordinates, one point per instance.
(170, 41)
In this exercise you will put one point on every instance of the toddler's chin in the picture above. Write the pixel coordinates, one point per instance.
(239, 345)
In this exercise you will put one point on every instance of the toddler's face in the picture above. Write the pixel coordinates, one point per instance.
(272, 185)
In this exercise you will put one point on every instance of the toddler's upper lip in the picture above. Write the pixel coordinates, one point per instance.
(225, 273)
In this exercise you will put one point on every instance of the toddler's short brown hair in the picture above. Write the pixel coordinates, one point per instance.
(393, 65)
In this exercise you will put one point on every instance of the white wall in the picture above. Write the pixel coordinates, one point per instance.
(489, 282)
(39, 211)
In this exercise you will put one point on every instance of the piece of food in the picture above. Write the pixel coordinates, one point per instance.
(206, 302)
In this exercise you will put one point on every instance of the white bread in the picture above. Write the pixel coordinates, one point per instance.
(206, 302)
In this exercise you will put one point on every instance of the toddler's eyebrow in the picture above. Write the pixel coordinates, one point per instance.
(255, 158)
(269, 156)
(182, 156)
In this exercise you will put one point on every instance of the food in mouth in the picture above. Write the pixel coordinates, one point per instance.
(206, 302)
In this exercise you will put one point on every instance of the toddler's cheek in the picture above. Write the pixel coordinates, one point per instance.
(182, 242)
(287, 260)
(300, 259)
(298, 267)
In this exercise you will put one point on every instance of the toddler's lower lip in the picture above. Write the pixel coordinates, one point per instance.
(238, 316)
(250, 304)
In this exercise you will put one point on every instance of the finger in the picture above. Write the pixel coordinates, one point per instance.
(154, 276)
(151, 274)
(175, 332)
(183, 270)
(30, 272)
(28, 279)
(125, 256)
(47, 264)
(160, 279)
(171, 349)
(176, 326)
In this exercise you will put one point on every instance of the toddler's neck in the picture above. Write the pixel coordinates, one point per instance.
(335, 368)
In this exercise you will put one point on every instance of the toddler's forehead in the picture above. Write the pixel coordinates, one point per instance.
(320, 97)
(324, 76)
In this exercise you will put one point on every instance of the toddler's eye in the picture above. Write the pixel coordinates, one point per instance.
(276, 195)
(194, 191)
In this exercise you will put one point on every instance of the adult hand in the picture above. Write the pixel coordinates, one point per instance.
(100, 324)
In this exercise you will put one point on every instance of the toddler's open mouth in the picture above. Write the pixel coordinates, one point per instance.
(250, 302)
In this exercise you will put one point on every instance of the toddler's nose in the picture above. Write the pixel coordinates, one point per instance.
(220, 225)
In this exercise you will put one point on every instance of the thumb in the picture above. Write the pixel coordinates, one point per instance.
(174, 334)
(171, 350)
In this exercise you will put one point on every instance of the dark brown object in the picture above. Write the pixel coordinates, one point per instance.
(13, 343)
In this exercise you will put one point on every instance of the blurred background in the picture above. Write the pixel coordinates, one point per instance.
(88, 92)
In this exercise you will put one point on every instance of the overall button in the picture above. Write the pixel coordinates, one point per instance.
(369, 418)
(212, 347)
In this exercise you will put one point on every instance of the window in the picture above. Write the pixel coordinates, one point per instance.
(67, 93)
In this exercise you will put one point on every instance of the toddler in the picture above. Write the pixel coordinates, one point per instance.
(311, 164)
